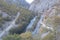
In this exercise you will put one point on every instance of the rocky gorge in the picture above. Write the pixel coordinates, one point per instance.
(40, 22)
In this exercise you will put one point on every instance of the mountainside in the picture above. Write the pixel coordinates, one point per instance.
(13, 20)
(40, 22)
(42, 5)
(47, 27)
(22, 3)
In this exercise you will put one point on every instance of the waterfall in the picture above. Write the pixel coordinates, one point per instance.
(38, 25)
(41, 7)
(41, 23)
(31, 24)
(9, 27)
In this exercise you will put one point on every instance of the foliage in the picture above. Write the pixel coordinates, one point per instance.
(12, 37)
(23, 36)
(26, 35)
(22, 21)
(1, 20)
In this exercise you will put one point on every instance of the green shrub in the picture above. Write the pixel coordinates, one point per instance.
(12, 37)
(23, 36)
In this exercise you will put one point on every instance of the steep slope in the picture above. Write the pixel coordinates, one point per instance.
(48, 26)
(51, 30)
(22, 3)
(42, 5)
(8, 23)
(44, 26)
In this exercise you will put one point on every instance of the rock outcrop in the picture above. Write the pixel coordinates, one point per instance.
(49, 27)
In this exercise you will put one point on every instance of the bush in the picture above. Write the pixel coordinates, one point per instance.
(12, 37)
(50, 36)
(26, 35)
(22, 21)
(23, 36)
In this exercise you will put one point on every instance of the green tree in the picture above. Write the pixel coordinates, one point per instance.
(12, 37)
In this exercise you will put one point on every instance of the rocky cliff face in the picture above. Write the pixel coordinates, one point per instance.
(43, 26)
(49, 27)
(42, 5)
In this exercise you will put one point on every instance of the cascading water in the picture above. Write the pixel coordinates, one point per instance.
(42, 5)
(31, 23)
(9, 27)
(38, 25)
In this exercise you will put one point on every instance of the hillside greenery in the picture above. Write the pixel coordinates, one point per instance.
(16, 33)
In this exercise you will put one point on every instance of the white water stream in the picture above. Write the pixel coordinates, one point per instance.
(45, 4)
(9, 27)
(38, 25)
(31, 23)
